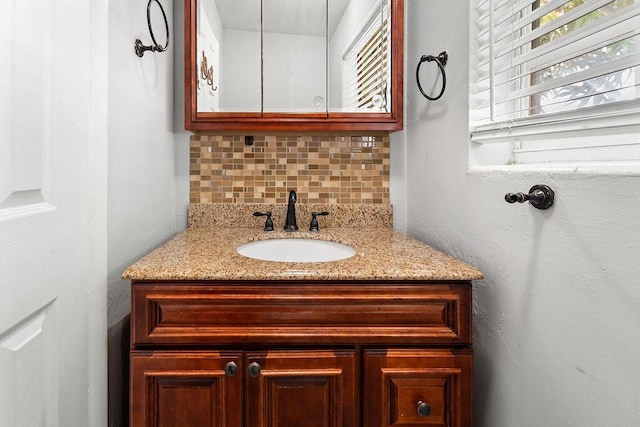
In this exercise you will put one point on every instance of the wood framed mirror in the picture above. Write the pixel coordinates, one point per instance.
(284, 65)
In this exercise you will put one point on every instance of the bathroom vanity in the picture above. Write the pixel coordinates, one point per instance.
(379, 339)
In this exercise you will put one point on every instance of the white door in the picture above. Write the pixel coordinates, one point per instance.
(52, 239)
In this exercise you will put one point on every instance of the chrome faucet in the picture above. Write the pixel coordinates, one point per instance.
(290, 224)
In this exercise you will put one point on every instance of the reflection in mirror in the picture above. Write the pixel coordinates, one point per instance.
(228, 56)
(295, 55)
(360, 56)
(312, 56)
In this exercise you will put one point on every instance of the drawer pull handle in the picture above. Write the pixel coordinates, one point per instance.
(230, 369)
(424, 410)
(254, 369)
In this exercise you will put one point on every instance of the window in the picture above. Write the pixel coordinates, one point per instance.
(557, 75)
(366, 67)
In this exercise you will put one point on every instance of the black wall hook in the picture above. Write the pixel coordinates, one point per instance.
(141, 48)
(440, 60)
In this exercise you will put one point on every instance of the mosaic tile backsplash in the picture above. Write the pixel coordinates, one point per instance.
(321, 168)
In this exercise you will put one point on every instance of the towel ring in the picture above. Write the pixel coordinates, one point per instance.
(441, 61)
(140, 48)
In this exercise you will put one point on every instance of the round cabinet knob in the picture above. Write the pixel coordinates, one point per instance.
(424, 410)
(230, 369)
(254, 369)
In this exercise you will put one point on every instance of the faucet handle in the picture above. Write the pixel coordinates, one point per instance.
(314, 226)
(268, 224)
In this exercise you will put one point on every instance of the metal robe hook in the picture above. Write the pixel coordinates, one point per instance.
(141, 48)
(440, 60)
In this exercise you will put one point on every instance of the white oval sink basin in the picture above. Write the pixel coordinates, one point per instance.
(296, 250)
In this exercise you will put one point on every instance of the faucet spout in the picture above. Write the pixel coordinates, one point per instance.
(291, 224)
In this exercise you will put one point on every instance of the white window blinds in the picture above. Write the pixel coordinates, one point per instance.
(553, 61)
(366, 67)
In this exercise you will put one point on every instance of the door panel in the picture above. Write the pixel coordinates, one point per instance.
(302, 389)
(185, 390)
(27, 383)
(52, 214)
(26, 40)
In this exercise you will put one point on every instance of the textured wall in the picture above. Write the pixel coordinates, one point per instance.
(556, 319)
(147, 168)
(321, 168)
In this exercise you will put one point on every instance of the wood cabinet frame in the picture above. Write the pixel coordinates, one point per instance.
(229, 121)
(366, 352)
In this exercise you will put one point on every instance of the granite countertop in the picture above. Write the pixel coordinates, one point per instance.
(209, 253)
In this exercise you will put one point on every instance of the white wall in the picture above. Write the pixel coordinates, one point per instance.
(143, 177)
(294, 72)
(240, 71)
(148, 162)
(556, 318)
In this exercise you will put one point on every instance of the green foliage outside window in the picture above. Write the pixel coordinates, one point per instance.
(595, 91)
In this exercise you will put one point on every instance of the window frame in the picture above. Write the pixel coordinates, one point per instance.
(582, 135)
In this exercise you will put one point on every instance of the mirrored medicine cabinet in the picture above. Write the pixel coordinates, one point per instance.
(311, 65)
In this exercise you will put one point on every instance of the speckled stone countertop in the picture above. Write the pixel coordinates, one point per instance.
(209, 253)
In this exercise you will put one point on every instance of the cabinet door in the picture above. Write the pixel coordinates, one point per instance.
(294, 56)
(172, 389)
(302, 389)
(226, 58)
(418, 388)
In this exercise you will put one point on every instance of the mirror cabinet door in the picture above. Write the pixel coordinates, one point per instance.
(359, 56)
(294, 56)
(228, 56)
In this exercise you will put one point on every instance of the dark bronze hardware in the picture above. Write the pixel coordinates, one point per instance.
(291, 224)
(268, 224)
(140, 48)
(441, 61)
(254, 369)
(424, 410)
(314, 226)
(540, 197)
(230, 369)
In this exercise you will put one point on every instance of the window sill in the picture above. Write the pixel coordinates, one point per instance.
(605, 168)
(598, 150)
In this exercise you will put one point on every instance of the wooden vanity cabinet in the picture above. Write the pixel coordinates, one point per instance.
(287, 354)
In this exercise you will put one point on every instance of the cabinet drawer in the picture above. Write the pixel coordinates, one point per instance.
(418, 387)
(350, 313)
